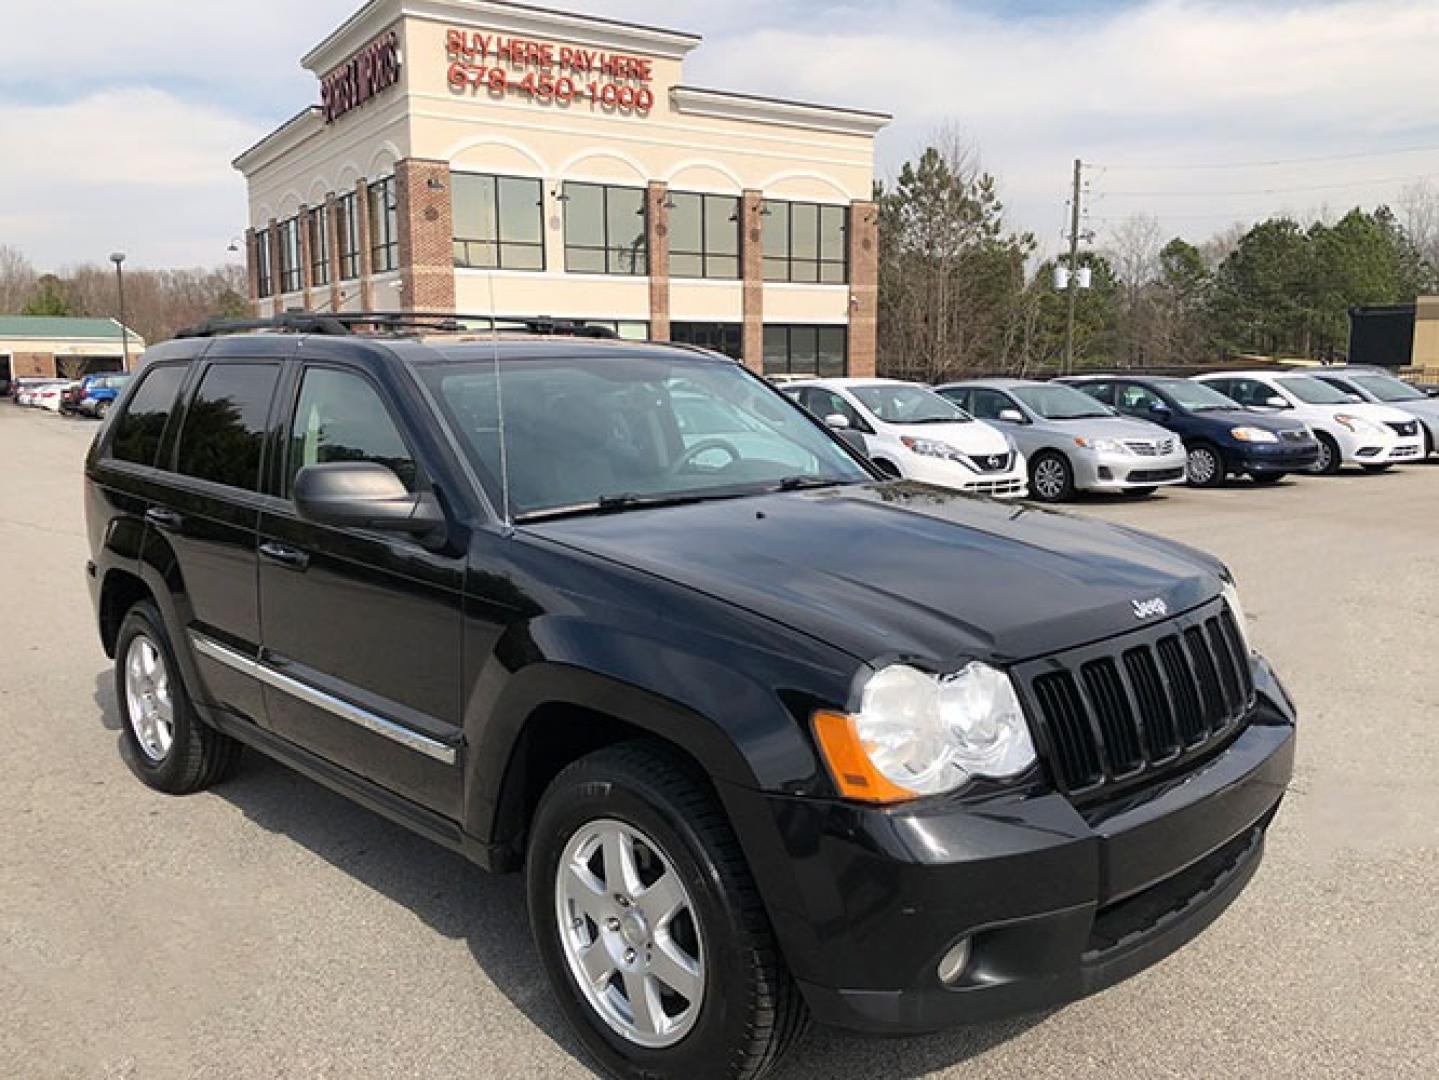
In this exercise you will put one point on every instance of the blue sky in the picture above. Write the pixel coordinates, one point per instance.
(118, 121)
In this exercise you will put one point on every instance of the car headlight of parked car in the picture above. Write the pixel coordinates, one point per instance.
(1253, 435)
(933, 448)
(1101, 446)
(1358, 425)
(920, 734)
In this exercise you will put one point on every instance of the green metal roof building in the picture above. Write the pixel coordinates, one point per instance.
(53, 346)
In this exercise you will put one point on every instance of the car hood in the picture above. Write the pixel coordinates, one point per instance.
(1106, 427)
(1255, 418)
(905, 570)
(973, 437)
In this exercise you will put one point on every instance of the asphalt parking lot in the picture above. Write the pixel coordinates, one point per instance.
(269, 928)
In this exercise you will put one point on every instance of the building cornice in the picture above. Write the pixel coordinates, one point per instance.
(503, 17)
(287, 137)
(747, 108)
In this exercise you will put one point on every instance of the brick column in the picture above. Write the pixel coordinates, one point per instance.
(863, 288)
(252, 273)
(303, 218)
(362, 208)
(426, 235)
(332, 234)
(657, 241)
(751, 261)
(277, 287)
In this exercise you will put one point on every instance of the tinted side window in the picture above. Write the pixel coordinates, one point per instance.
(340, 417)
(1249, 392)
(224, 431)
(828, 403)
(1100, 391)
(1136, 399)
(139, 429)
(988, 404)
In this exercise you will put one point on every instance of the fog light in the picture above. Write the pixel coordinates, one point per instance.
(1105, 473)
(952, 966)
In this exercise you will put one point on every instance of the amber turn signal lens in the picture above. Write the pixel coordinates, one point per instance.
(854, 774)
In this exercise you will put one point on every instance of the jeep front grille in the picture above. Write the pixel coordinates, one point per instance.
(1112, 713)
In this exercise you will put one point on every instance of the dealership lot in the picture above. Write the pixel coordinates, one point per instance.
(271, 928)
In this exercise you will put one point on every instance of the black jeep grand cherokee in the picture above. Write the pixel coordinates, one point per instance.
(772, 737)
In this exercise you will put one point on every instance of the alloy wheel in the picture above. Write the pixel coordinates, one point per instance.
(147, 698)
(630, 933)
(1202, 466)
(1049, 478)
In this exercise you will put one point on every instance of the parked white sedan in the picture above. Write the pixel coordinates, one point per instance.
(910, 431)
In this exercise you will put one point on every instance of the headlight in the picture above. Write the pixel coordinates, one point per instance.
(1231, 597)
(931, 448)
(1102, 446)
(1358, 424)
(1253, 434)
(917, 734)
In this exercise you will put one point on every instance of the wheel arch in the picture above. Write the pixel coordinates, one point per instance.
(120, 590)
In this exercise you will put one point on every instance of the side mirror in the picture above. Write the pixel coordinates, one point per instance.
(1011, 416)
(1355, 399)
(837, 421)
(364, 495)
(1276, 402)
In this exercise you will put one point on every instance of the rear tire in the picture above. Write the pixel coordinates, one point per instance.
(162, 738)
(1051, 479)
(1330, 461)
(1205, 467)
(749, 1011)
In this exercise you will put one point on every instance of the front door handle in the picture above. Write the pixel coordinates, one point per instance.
(164, 519)
(285, 555)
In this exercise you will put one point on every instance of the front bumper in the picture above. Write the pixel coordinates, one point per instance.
(1011, 483)
(1058, 901)
(1125, 472)
(1270, 458)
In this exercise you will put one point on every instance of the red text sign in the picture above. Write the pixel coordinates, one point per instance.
(548, 73)
(374, 68)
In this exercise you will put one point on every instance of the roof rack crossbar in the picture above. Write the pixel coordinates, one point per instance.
(351, 322)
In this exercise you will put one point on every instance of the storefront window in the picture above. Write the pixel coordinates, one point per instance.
(721, 337)
(347, 227)
(822, 351)
(384, 227)
(264, 273)
(704, 236)
(319, 246)
(499, 222)
(805, 242)
(290, 279)
(605, 230)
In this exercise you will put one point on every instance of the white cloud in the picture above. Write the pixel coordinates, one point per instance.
(118, 128)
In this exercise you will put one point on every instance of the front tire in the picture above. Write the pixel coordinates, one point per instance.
(1330, 460)
(102, 409)
(637, 883)
(162, 739)
(1205, 467)
(1051, 479)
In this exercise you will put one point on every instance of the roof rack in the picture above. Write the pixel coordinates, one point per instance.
(395, 322)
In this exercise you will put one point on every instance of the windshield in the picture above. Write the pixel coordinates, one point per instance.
(901, 403)
(1388, 388)
(1312, 391)
(596, 433)
(1196, 397)
(1059, 403)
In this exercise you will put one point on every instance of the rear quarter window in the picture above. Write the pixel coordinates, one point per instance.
(224, 432)
(139, 429)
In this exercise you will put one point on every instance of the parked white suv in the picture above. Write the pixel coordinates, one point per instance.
(911, 431)
(1349, 432)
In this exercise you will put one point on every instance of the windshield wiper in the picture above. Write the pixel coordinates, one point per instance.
(807, 481)
(621, 501)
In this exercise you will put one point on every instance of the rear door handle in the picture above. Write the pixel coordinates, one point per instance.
(164, 519)
(285, 555)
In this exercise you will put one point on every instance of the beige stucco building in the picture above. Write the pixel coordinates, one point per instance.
(486, 157)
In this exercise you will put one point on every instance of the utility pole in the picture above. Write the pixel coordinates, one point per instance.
(1074, 212)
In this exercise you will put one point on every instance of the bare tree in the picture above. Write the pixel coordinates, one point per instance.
(1418, 207)
(17, 280)
(1133, 250)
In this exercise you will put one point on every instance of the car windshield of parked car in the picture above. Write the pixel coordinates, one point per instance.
(900, 403)
(1059, 403)
(1312, 391)
(606, 433)
(1196, 397)
(1388, 388)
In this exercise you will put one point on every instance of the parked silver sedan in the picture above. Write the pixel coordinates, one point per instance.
(1072, 442)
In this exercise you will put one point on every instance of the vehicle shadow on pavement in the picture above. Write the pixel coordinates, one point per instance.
(487, 912)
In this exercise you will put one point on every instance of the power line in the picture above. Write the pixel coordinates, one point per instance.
(1274, 162)
(1273, 190)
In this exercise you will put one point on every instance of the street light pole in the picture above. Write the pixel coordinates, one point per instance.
(118, 258)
